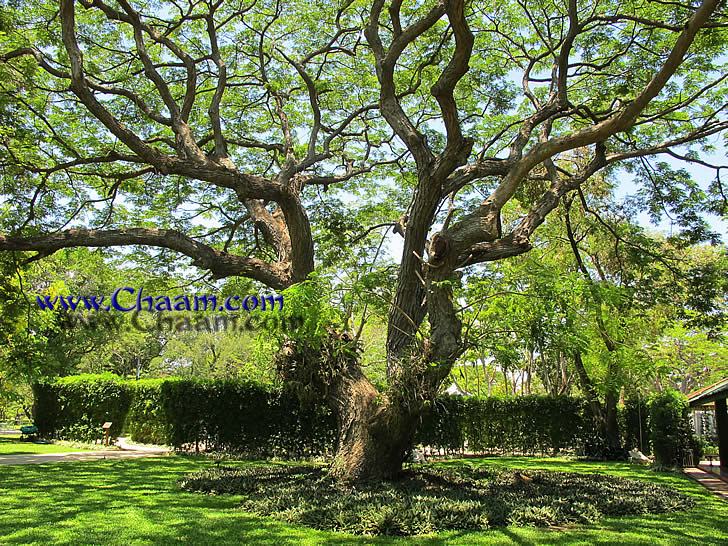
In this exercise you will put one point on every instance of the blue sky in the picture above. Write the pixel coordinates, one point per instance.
(701, 174)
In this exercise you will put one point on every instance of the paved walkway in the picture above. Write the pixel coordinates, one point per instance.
(127, 451)
(709, 481)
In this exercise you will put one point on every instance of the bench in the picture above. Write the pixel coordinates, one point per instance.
(28, 432)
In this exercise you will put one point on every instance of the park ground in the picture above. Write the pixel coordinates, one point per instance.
(10, 444)
(138, 501)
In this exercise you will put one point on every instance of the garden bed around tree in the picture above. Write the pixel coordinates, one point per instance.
(432, 498)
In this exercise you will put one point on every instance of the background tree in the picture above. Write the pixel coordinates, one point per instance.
(207, 128)
(585, 308)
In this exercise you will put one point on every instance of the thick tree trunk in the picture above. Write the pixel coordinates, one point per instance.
(375, 430)
(373, 441)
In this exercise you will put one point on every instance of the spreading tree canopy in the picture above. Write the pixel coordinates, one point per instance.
(210, 128)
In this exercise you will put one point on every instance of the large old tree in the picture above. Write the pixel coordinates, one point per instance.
(124, 120)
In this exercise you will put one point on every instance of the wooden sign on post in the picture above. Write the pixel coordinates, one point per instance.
(107, 431)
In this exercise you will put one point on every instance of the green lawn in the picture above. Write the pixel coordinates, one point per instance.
(137, 501)
(11, 445)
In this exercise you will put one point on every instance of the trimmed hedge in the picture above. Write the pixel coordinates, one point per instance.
(146, 421)
(524, 424)
(75, 407)
(243, 417)
(262, 421)
(234, 416)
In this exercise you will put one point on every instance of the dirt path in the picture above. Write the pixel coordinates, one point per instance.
(709, 481)
(128, 451)
(41, 458)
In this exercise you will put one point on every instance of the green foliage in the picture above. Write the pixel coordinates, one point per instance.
(675, 193)
(689, 359)
(244, 417)
(259, 420)
(75, 407)
(432, 499)
(146, 421)
(670, 430)
(527, 424)
(314, 297)
(27, 349)
(43, 343)
(221, 415)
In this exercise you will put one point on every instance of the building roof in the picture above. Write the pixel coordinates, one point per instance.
(711, 393)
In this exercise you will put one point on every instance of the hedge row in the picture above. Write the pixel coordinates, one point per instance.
(261, 421)
(249, 418)
(235, 416)
(525, 424)
(74, 408)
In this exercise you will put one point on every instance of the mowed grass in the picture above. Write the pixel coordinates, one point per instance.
(138, 501)
(10, 444)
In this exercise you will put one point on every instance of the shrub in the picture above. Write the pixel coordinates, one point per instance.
(146, 422)
(46, 408)
(256, 420)
(246, 418)
(670, 428)
(183, 404)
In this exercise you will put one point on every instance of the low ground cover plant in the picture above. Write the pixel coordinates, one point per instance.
(432, 498)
